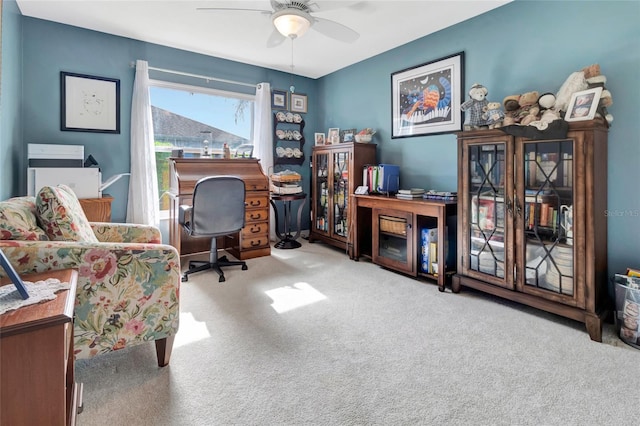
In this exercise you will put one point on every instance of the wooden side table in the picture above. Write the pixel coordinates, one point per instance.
(97, 209)
(288, 241)
(36, 359)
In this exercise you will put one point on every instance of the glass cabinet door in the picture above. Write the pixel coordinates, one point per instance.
(547, 217)
(488, 205)
(321, 192)
(340, 193)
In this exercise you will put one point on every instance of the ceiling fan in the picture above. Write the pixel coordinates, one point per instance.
(292, 18)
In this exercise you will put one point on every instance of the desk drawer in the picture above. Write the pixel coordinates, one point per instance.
(255, 242)
(256, 200)
(248, 243)
(253, 230)
(256, 215)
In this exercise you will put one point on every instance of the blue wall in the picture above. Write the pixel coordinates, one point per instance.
(10, 100)
(49, 48)
(516, 48)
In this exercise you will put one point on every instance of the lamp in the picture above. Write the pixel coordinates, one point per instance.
(291, 22)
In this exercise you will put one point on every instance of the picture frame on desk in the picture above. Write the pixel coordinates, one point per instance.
(347, 135)
(333, 136)
(426, 99)
(89, 103)
(320, 139)
(13, 276)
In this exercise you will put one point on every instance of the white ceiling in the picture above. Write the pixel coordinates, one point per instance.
(242, 36)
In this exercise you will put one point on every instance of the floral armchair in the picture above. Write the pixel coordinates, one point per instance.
(128, 282)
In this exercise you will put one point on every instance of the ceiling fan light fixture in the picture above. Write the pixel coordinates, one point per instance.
(291, 23)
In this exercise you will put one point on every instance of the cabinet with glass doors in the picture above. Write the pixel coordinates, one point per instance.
(531, 220)
(336, 173)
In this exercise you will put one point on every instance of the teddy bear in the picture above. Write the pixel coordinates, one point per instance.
(548, 114)
(474, 107)
(493, 114)
(521, 109)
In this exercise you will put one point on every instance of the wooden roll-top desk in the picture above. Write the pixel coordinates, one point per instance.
(253, 240)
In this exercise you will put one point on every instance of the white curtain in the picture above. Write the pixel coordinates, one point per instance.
(263, 136)
(262, 128)
(143, 204)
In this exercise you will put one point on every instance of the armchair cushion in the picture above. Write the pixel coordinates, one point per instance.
(61, 215)
(18, 220)
(126, 233)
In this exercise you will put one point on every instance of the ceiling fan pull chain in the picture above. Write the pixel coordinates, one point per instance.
(292, 88)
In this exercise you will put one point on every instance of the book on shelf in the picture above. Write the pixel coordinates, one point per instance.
(409, 196)
(412, 191)
(531, 170)
(567, 169)
(427, 236)
(433, 257)
(440, 195)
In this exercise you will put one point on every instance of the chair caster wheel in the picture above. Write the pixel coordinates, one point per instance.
(221, 279)
(245, 267)
(185, 278)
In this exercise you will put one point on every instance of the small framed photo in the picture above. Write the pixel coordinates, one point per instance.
(278, 99)
(347, 135)
(320, 139)
(13, 275)
(583, 105)
(89, 103)
(299, 103)
(333, 136)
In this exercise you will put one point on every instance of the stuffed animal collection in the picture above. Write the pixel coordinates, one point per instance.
(532, 109)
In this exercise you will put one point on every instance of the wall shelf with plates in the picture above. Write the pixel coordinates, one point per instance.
(288, 134)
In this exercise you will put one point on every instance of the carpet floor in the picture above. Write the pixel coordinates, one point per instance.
(309, 337)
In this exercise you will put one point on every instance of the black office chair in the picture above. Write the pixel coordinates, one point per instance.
(217, 210)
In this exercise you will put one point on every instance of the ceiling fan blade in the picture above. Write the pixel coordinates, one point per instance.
(322, 6)
(275, 39)
(334, 30)
(233, 9)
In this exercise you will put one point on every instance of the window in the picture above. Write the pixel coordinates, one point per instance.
(185, 116)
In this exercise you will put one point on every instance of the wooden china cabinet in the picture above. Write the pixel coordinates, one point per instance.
(532, 221)
(336, 173)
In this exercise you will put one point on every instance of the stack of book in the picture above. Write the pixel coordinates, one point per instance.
(440, 195)
(286, 182)
(410, 194)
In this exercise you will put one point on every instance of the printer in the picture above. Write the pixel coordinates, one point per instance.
(62, 164)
